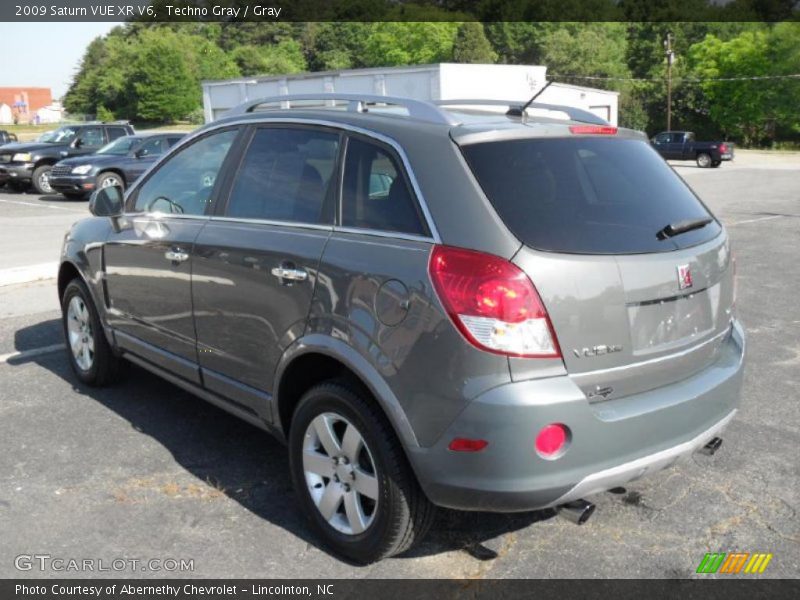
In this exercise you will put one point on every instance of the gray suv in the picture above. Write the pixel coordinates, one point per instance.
(474, 305)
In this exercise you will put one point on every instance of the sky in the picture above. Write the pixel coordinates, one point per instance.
(45, 54)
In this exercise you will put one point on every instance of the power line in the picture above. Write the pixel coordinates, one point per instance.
(689, 79)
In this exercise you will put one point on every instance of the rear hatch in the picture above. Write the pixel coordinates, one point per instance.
(634, 271)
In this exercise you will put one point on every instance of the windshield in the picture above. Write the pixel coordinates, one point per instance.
(62, 135)
(119, 147)
(588, 195)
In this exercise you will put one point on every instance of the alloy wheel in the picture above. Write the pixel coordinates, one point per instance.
(79, 329)
(340, 473)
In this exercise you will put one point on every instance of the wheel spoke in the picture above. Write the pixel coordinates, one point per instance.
(352, 443)
(322, 425)
(366, 484)
(355, 515)
(317, 463)
(329, 503)
(90, 343)
(75, 342)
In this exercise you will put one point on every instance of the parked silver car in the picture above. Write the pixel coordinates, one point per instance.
(444, 305)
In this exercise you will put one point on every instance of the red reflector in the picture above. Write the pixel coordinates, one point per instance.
(466, 445)
(593, 129)
(551, 440)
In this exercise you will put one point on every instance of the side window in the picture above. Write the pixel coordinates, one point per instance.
(286, 175)
(662, 138)
(375, 194)
(92, 137)
(116, 132)
(171, 141)
(152, 147)
(184, 183)
(677, 138)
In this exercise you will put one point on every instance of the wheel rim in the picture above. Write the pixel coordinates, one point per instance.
(340, 473)
(109, 182)
(79, 330)
(704, 160)
(44, 182)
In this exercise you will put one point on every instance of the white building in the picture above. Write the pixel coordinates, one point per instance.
(443, 81)
(6, 115)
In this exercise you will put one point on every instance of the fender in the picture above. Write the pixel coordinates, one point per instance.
(323, 344)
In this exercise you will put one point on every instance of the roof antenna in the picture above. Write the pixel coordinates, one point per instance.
(519, 111)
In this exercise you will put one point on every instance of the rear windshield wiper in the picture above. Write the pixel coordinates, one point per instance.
(680, 227)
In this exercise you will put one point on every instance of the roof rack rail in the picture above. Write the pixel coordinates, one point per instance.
(418, 109)
(515, 108)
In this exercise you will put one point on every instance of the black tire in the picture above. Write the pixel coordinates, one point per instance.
(41, 179)
(715, 164)
(105, 366)
(704, 160)
(76, 197)
(110, 178)
(401, 515)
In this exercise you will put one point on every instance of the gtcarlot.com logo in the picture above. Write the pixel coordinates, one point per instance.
(733, 563)
(46, 562)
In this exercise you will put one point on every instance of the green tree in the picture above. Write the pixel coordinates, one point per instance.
(397, 43)
(164, 86)
(283, 57)
(471, 45)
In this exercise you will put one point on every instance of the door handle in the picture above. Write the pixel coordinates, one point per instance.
(176, 255)
(290, 274)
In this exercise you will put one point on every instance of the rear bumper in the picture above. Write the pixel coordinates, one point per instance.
(612, 442)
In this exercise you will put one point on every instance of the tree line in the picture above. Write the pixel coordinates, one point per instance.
(152, 71)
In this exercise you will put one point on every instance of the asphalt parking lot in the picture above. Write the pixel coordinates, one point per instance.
(144, 470)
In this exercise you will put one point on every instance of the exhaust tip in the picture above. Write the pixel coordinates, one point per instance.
(712, 446)
(577, 511)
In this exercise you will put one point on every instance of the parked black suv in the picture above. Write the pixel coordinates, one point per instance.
(29, 163)
(119, 163)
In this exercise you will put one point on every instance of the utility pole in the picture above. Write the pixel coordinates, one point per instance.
(670, 59)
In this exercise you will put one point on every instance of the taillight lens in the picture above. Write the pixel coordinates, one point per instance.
(593, 130)
(493, 303)
(723, 148)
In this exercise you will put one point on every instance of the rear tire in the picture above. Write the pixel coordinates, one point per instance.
(88, 350)
(716, 164)
(703, 160)
(16, 187)
(397, 517)
(41, 179)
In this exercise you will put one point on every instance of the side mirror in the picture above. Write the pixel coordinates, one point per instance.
(140, 153)
(107, 202)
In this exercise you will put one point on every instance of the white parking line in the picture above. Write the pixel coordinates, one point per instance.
(28, 273)
(39, 205)
(4, 358)
(756, 220)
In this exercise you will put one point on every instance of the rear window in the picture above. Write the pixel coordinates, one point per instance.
(587, 195)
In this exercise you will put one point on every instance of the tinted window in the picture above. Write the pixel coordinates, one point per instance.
(92, 137)
(184, 183)
(171, 141)
(586, 194)
(285, 176)
(116, 132)
(119, 147)
(375, 194)
(152, 147)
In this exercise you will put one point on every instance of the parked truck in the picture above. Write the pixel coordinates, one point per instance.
(681, 145)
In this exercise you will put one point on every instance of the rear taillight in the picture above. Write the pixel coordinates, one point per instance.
(493, 303)
(593, 130)
(723, 148)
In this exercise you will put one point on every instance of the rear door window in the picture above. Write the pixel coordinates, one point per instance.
(116, 132)
(286, 175)
(375, 193)
(587, 195)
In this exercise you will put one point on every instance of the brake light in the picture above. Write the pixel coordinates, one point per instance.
(593, 129)
(723, 148)
(493, 303)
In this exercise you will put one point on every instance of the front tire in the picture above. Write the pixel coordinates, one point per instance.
(88, 350)
(703, 160)
(110, 179)
(352, 477)
(41, 179)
